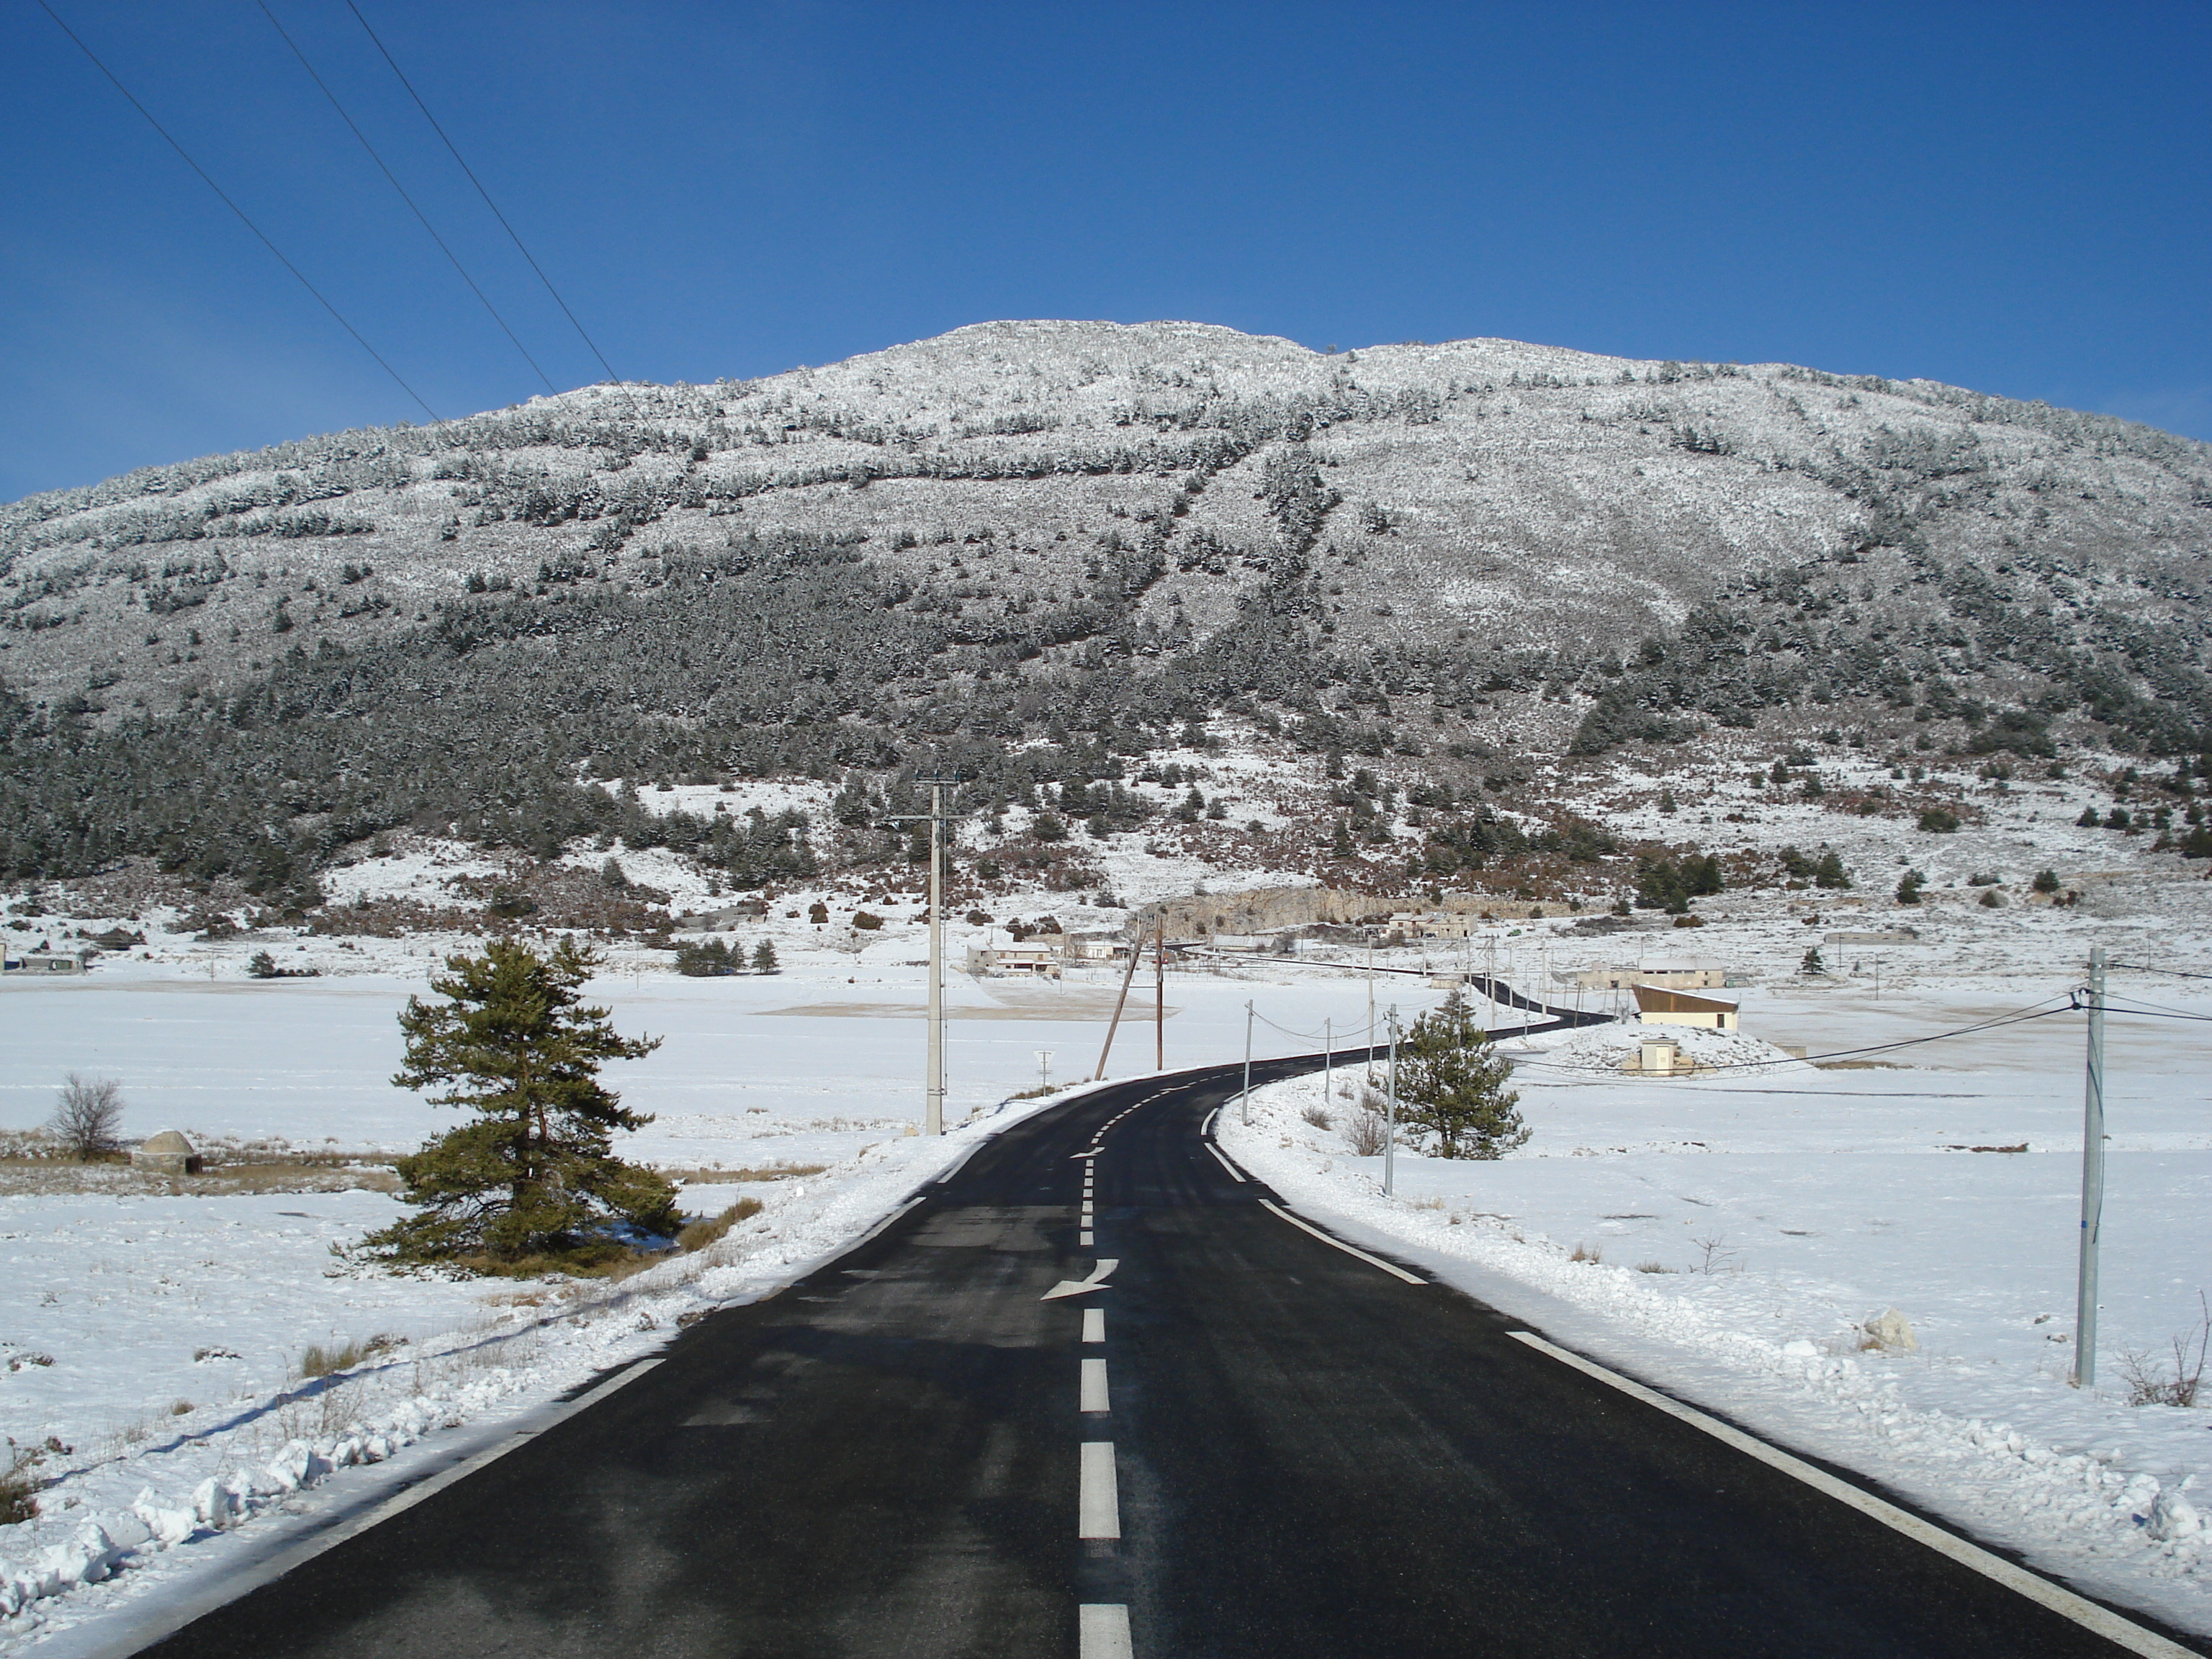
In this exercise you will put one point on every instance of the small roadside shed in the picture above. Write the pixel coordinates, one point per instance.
(167, 1153)
(1661, 1004)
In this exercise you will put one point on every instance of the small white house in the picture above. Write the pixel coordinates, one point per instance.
(1434, 924)
(48, 962)
(1676, 973)
(1036, 961)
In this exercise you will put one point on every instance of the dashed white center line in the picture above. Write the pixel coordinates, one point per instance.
(1094, 1386)
(1102, 1631)
(1098, 1505)
(1085, 1239)
(1094, 1324)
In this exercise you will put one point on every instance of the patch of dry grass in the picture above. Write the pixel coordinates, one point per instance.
(321, 1361)
(702, 1233)
(35, 1162)
(716, 1173)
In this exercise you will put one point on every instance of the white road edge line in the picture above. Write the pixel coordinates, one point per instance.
(1094, 1396)
(1234, 1174)
(960, 1162)
(139, 1636)
(869, 1236)
(1098, 1503)
(1207, 1128)
(2085, 1612)
(1102, 1631)
(1390, 1267)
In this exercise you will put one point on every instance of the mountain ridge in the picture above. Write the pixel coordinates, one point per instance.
(1084, 537)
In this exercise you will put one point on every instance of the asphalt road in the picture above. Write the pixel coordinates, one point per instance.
(1309, 1455)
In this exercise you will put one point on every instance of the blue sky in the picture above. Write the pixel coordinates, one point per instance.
(2012, 198)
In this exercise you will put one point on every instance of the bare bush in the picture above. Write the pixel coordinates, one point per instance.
(1319, 1116)
(1587, 1253)
(89, 1116)
(2175, 1378)
(1717, 1257)
(1367, 1130)
(19, 1484)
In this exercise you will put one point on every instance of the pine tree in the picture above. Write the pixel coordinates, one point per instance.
(764, 957)
(1452, 1086)
(534, 1174)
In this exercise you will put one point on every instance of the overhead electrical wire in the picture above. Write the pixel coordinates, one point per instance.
(259, 234)
(456, 154)
(421, 217)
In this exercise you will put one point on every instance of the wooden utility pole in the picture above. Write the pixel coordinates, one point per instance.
(1136, 950)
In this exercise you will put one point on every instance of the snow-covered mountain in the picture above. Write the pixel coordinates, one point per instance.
(1086, 535)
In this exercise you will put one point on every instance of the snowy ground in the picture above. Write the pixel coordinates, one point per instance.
(1739, 1231)
(1828, 1194)
(157, 1338)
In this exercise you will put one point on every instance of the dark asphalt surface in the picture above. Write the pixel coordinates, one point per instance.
(1313, 1458)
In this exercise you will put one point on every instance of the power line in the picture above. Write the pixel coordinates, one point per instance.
(403, 196)
(2151, 1011)
(2019, 1017)
(481, 191)
(259, 234)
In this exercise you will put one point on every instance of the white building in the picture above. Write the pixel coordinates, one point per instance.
(1675, 973)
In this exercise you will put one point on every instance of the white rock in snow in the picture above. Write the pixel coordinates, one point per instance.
(170, 1526)
(2172, 1516)
(214, 1504)
(1892, 1330)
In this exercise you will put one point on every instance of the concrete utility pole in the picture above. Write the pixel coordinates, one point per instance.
(1390, 1115)
(1244, 1100)
(2093, 1181)
(1160, 993)
(1328, 1066)
(932, 1088)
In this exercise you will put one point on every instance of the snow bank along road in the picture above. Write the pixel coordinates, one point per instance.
(1096, 1392)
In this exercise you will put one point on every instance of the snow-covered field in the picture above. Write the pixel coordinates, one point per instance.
(1738, 1231)
(1817, 1196)
(156, 1339)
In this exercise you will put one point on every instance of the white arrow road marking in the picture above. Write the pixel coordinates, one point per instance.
(1102, 1631)
(1099, 1275)
(1098, 1505)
